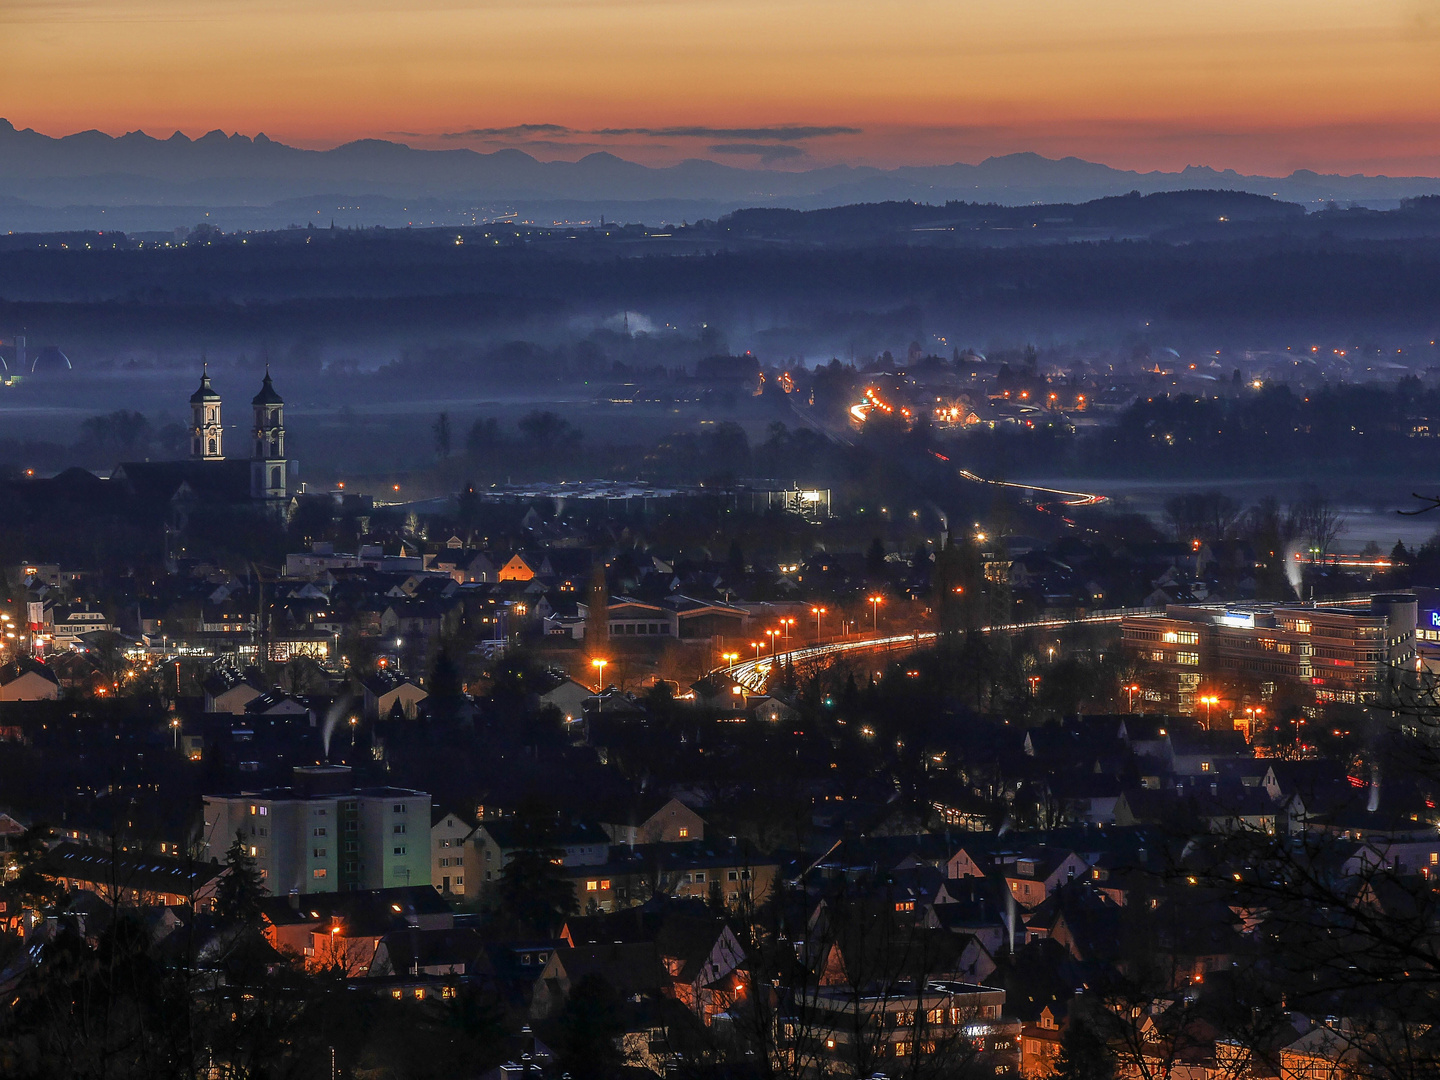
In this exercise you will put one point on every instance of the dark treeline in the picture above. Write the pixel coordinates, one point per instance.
(1274, 431)
(349, 281)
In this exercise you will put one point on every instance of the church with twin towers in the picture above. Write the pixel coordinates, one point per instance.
(269, 465)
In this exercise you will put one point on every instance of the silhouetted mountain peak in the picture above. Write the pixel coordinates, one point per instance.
(95, 170)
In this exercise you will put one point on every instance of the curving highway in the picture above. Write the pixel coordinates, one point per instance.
(1069, 498)
(753, 674)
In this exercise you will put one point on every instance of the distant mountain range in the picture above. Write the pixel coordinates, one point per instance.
(136, 182)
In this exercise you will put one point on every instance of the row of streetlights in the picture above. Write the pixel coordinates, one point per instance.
(1252, 712)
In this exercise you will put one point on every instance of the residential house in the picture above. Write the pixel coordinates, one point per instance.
(731, 872)
(386, 692)
(277, 703)
(1040, 1044)
(28, 682)
(449, 842)
(343, 930)
(654, 821)
(774, 711)
(568, 697)
(132, 877)
(1035, 873)
(495, 842)
(229, 691)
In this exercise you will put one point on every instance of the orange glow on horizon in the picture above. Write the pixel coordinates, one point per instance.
(1335, 85)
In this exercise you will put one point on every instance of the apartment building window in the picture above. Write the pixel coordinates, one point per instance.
(318, 831)
(319, 853)
(459, 882)
(320, 872)
(400, 829)
(399, 808)
(592, 885)
(732, 875)
(400, 849)
(1191, 658)
(352, 845)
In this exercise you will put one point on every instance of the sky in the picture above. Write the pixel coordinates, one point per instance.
(1262, 86)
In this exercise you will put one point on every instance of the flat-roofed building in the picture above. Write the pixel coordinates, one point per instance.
(1340, 652)
(322, 834)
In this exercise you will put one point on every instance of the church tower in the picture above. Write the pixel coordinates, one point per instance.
(206, 434)
(268, 465)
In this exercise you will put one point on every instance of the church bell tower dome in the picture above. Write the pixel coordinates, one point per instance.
(268, 463)
(207, 437)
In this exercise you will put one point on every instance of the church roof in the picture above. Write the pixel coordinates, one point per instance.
(267, 394)
(209, 481)
(206, 391)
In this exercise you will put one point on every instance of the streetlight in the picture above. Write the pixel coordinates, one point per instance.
(875, 602)
(774, 636)
(1209, 700)
(354, 723)
(599, 666)
(756, 646)
(817, 612)
(1131, 691)
(175, 733)
(730, 658)
(785, 625)
(1051, 650)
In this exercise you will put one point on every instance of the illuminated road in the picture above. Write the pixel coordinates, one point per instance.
(753, 674)
(1070, 498)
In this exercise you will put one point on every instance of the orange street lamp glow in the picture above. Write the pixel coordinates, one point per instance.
(819, 613)
(599, 666)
